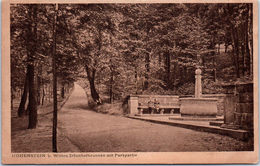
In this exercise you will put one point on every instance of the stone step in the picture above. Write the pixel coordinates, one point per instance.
(230, 126)
(152, 115)
(199, 126)
(216, 123)
(197, 118)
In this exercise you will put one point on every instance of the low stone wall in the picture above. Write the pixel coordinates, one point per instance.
(135, 101)
(162, 99)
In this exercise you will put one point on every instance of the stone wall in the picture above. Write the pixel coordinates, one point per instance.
(134, 101)
(162, 99)
(239, 106)
(244, 112)
(132, 105)
(229, 104)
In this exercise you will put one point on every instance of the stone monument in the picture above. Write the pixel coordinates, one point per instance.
(198, 91)
(197, 106)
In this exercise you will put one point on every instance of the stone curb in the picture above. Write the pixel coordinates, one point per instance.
(237, 134)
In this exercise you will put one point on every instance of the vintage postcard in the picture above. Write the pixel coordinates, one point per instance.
(129, 82)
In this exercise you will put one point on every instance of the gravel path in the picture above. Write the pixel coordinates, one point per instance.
(88, 131)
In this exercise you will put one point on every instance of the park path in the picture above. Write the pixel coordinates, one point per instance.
(89, 131)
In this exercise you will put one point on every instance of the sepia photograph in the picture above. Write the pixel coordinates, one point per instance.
(130, 83)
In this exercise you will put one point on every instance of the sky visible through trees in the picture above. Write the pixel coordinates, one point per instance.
(123, 49)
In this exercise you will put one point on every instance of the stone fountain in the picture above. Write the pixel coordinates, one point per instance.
(198, 106)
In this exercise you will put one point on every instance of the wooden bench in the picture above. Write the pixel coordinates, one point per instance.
(157, 103)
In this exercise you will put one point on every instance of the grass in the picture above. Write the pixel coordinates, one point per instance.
(33, 140)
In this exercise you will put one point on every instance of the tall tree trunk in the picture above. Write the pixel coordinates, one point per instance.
(147, 67)
(92, 71)
(94, 93)
(214, 64)
(247, 42)
(111, 88)
(234, 37)
(218, 49)
(32, 106)
(147, 62)
(111, 94)
(91, 79)
(31, 47)
(38, 90)
(168, 69)
(242, 50)
(49, 93)
(136, 81)
(174, 77)
(239, 54)
(39, 82)
(21, 109)
(63, 91)
(43, 94)
(235, 52)
(250, 35)
(54, 83)
(248, 56)
(12, 98)
(226, 47)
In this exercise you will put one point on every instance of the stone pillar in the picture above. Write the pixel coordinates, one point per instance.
(198, 90)
(162, 111)
(245, 106)
(239, 111)
(229, 103)
(133, 105)
(140, 111)
(229, 108)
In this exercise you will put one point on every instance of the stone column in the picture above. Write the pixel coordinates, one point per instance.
(244, 112)
(133, 105)
(198, 90)
(229, 108)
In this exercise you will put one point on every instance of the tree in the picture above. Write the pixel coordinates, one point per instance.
(132, 48)
(92, 24)
(29, 28)
(31, 48)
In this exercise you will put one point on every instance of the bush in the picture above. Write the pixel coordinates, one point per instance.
(112, 109)
(186, 89)
(211, 87)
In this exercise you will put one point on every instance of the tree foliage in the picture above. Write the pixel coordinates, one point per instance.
(122, 49)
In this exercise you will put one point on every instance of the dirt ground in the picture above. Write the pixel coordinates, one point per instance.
(95, 132)
(82, 130)
(35, 140)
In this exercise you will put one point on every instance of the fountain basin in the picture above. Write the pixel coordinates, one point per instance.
(201, 107)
